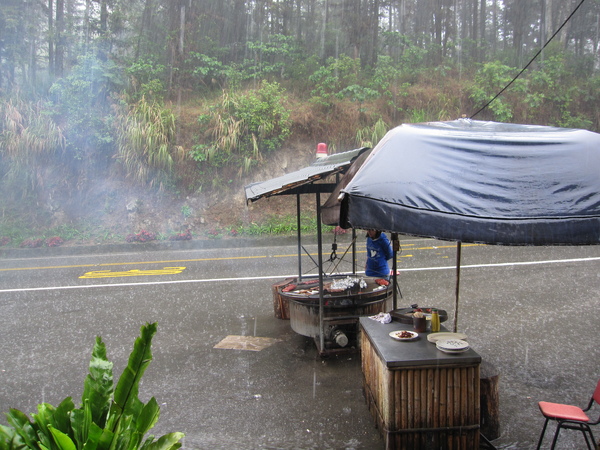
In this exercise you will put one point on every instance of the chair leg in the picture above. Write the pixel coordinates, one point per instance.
(542, 435)
(591, 443)
(556, 433)
(585, 429)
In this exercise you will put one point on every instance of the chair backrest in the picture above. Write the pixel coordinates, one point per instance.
(596, 395)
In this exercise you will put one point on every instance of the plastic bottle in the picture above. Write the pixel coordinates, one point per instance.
(435, 320)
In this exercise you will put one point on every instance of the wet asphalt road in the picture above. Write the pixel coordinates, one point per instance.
(532, 312)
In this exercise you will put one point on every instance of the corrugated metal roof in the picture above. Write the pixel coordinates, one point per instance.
(286, 184)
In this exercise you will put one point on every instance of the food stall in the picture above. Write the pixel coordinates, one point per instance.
(325, 306)
(464, 181)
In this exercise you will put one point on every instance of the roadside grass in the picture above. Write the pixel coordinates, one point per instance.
(14, 234)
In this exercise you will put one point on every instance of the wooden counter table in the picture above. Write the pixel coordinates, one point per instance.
(420, 397)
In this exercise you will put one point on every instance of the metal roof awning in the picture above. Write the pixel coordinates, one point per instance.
(303, 180)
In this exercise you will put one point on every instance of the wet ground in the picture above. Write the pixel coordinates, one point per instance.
(531, 312)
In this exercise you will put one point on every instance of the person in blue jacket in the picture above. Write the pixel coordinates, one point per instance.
(379, 251)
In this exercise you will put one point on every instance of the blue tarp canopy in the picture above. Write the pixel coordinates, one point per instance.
(484, 182)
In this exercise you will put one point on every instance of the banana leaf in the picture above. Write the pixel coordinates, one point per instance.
(41, 421)
(98, 385)
(10, 440)
(123, 419)
(58, 417)
(62, 440)
(145, 422)
(126, 401)
(81, 421)
(94, 437)
(167, 442)
(23, 427)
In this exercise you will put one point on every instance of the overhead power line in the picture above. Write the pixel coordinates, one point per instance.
(530, 62)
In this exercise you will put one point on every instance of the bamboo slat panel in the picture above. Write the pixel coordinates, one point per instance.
(422, 407)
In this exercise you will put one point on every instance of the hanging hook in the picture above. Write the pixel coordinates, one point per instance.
(333, 255)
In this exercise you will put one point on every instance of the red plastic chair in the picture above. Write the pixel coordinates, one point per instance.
(570, 417)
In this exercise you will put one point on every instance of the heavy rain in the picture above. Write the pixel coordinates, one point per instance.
(530, 311)
(129, 130)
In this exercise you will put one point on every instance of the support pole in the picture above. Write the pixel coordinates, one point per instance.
(353, 251)
(299, 231)
(395, 248)
(457, 289)
(320, 260)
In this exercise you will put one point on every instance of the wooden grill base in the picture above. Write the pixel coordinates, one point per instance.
(425, 407)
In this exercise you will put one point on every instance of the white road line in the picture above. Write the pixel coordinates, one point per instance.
(524, 263)
(278, 277)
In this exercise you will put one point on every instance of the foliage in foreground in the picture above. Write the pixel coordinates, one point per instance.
(109, 418)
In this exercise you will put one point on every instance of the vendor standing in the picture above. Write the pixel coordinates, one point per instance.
(379, 251)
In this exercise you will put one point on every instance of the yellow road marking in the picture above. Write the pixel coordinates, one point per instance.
(73, 266)
(133, 273)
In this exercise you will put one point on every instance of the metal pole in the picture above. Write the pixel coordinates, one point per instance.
(395, 248)
(299, 231)
(320, 259)
(458, 252)
(353, 251)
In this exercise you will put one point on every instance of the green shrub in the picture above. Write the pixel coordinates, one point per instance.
(145, 79)
(245, 125)
(147, 143)
(81, 106)
(331, 79)
(489, 80)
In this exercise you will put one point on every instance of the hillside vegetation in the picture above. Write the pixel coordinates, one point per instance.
(150, 120)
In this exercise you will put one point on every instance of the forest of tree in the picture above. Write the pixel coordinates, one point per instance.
(195, 41)
(181, 93)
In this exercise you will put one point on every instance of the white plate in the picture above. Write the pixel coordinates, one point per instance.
(453, 352)
(452, 345)
(434, 337)
(395, 335)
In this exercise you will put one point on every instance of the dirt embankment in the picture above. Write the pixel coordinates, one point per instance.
(113, 209)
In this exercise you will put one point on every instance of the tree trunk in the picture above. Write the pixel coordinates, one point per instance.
(144, 22)
(482, 42)
(175, 25)
(494, 26)
(475, 30)
(59, 39)
(103, 46)
(437, 24)
(51, 56)
(325, 20)
(374, 48)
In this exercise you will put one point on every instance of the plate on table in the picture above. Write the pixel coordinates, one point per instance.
(453, 352)
(452, 345)
(404, 335)
(434, 337)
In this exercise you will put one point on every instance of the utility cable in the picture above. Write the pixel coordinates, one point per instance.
(531, 61)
